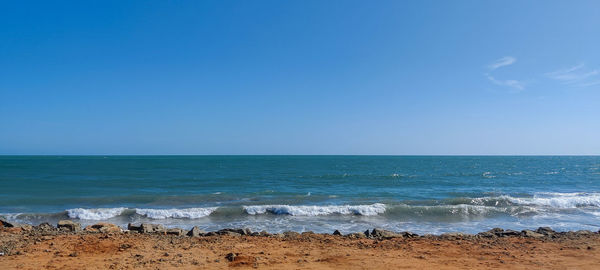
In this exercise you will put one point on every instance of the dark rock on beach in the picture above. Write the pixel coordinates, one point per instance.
(195, 232)
(152, 228)
(381, 233)
(69, 226)
(547, 231)
(231, 256)
(455, 235)
(532, 234)
(356, 235)
(103, 227)
(44, 229)
(495, 232)
(146, 228)
(409, 234)
(134, 228)
(510, 233)
(175, 231)
(336, 232)
(291, 235)
(231, 232)
(4, 223)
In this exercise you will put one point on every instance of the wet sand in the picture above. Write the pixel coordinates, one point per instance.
(31, 249)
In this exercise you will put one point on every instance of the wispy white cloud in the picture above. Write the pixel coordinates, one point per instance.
(577, 75)
(502, 62)
(518, 85)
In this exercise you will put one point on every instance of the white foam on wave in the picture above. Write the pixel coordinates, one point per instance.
(95, 213)
(560, 200)
(10, 216)
(191, 213)
(314, 210)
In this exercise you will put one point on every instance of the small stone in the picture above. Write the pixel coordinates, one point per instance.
(336, 232)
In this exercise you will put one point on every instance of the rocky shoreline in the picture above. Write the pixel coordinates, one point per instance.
(70, 227)
(107, 246)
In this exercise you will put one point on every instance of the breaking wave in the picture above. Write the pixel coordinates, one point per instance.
(95, 214)
(108, 213)
(560, 200)
(314, 210)
(460, 206)
(191, 213)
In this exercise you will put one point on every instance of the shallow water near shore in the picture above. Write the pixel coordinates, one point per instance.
(423, 194)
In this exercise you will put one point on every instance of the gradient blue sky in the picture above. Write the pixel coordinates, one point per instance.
(300, 77)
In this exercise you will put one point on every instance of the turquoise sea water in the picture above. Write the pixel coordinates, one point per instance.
(423, 194)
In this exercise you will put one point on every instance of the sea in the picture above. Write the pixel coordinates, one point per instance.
(421, 194)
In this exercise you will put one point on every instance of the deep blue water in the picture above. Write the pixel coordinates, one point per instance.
(425, 194)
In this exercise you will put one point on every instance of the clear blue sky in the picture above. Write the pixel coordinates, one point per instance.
(300, 77)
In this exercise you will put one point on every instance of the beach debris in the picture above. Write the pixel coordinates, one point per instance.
(336, 232)
(195, 232)
(103, 227)
(69, 226)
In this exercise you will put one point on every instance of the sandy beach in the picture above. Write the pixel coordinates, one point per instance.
(47, 247)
